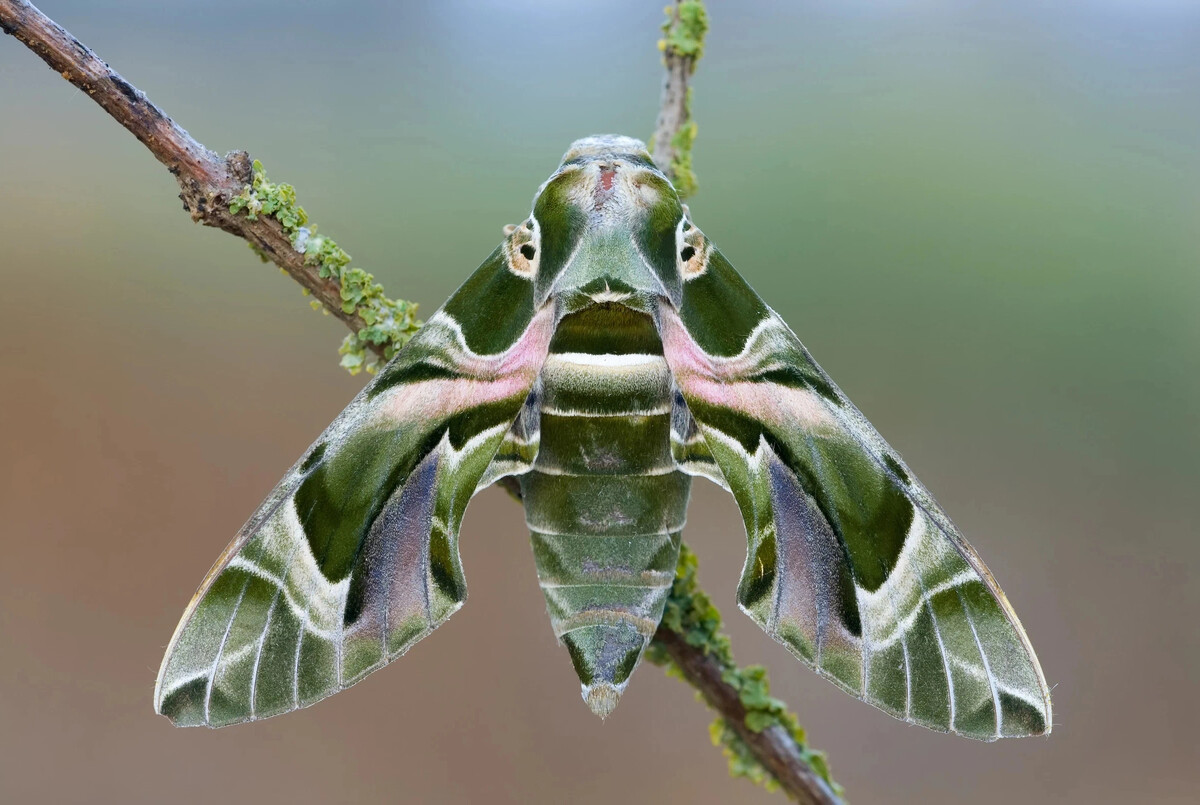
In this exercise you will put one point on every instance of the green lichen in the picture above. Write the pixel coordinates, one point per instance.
(683, 38)
(684, 29)
(682, 175)
(383, 323)
(690, 613)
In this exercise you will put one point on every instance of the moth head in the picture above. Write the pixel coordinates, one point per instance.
(608, 218)
(609, 179)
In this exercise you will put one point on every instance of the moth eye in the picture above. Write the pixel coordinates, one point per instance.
(521, 248)
(693, 250)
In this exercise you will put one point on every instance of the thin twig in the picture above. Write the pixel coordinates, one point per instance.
(209, 183)
(682, 46)
(773, 747)
(779, 748)
(762, 740)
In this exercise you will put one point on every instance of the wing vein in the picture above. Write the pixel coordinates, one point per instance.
(262, 641)
(986, 665)
(266, 628)
(937, 632)
(383, 617)
(296, 664)
(212, 674)
(891, 594)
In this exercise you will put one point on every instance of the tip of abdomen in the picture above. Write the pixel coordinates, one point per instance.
(602, 697)
(604, 656)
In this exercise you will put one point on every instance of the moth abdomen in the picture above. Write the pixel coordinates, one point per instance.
(605, 501)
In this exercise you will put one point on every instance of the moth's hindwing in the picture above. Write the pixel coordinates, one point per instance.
(354, 556)
(851, 563)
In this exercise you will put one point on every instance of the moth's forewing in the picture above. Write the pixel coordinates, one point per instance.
(852, 565)
(354, 556)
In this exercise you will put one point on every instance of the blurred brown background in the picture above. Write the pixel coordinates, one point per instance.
(981, 218)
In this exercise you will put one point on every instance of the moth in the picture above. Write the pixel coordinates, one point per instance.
(603, 355)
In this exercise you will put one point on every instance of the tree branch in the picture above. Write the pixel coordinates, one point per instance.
(208, 183)
(232, 194)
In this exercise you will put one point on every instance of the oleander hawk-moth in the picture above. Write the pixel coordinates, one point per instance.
(604, 354)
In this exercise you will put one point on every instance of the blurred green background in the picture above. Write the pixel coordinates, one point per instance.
(983, 219)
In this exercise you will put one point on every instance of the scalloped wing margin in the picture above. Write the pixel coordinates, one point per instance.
(851, 563)
(353, 558)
